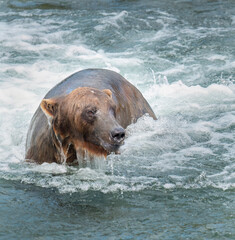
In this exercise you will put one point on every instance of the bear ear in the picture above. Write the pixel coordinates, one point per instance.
(49, 107)
(108, 92)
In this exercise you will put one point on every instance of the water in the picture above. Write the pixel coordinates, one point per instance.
(175, 177)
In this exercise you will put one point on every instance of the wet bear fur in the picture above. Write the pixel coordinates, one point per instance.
(87, 113)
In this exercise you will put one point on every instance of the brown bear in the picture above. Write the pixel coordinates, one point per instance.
(86, 113)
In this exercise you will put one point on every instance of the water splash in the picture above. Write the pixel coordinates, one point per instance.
(190, 87)
(172, 152)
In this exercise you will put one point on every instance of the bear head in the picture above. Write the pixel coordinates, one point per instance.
(86, 120)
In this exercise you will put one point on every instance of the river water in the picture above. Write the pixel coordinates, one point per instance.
(175, 177)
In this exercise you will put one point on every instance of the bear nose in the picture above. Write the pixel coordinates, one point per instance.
(118, 134)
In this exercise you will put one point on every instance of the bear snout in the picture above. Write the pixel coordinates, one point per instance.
(118, 135)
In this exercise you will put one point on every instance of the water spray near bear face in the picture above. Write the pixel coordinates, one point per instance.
(86, 113)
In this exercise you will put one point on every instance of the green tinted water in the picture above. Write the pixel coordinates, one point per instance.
(175, 177)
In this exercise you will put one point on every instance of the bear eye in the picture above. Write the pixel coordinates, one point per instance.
(90, 115)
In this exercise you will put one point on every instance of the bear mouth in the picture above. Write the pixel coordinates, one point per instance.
(109, 148)
(104, 146)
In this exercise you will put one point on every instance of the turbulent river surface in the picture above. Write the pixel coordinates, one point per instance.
(175, 177)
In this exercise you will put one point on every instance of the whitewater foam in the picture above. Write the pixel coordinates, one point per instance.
(111, 20)
(164, 146)
(192, 139)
